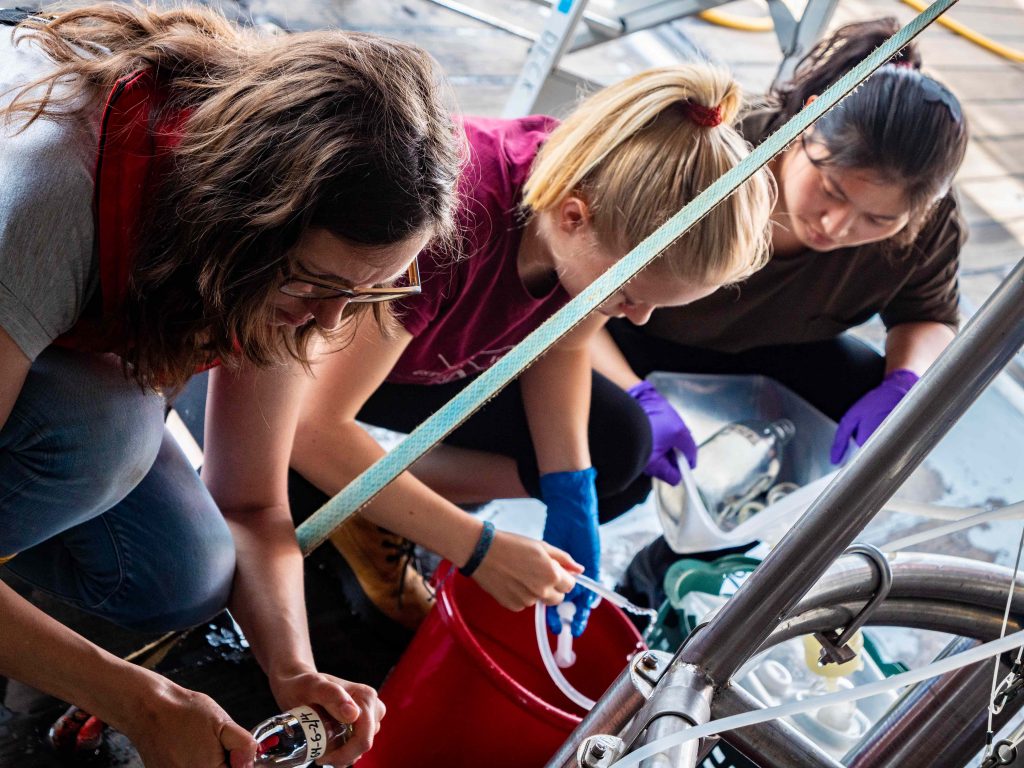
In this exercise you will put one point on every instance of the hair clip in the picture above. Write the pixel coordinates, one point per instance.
(936, 92)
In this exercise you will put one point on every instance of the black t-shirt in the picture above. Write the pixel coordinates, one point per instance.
(811, 296)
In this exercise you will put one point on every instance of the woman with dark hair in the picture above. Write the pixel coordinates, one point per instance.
(865, 223)
(181, 194)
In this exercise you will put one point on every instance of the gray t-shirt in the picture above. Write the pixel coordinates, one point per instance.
(48, 271)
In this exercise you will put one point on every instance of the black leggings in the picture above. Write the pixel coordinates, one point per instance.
(831, 375)
(619, 434)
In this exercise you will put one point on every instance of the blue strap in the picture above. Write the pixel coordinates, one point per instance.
(361, 490)
(482, 545)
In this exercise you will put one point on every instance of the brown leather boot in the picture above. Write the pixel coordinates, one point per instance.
(383, 564)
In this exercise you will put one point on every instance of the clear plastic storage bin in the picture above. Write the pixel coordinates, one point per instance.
(707, 403)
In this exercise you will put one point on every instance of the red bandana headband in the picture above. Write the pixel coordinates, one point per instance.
(707, 117)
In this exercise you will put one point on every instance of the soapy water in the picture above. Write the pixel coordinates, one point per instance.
(616, 599)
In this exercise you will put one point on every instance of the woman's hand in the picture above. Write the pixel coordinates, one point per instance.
(179, 728)
(346, 702)
(519, 572)
(669, 434)
(868, 413)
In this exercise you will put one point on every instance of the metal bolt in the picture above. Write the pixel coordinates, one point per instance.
(649, 660)
(598, 749)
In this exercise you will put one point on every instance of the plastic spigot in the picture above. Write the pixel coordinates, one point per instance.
(564, 655)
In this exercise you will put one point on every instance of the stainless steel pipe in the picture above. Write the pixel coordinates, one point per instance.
(988, 342)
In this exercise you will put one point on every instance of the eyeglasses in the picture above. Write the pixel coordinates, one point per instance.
(304, 286)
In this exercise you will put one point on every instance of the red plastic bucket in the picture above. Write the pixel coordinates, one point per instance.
(471, 689)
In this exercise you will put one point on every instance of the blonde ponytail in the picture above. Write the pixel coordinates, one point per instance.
(641, 149)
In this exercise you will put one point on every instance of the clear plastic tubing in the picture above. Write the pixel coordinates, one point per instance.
(614, 597)
(548, 658)
(934, 669)
(544, 645)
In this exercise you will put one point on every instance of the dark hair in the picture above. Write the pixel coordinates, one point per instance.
(900, 123)
(336, 130)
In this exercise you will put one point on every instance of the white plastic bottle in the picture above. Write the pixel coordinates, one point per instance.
(739, 462)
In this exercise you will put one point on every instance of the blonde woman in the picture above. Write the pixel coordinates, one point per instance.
(546, 208)
(179, 193)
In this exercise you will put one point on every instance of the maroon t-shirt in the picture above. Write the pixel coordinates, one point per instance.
(474, 308)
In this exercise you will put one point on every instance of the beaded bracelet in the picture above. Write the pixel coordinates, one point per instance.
(482, 545)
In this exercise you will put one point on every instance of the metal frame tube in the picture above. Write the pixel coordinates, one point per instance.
(610, 715)
(989, 341)
(951, 618)
(946, 715)
(918, 575)
(775, 744)
(685, 690)
(975, 357)
(933, 592)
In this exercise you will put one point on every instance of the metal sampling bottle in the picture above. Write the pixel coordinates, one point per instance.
(739, 462)
(298, 736)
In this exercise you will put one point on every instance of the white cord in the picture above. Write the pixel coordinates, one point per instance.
(992, 711)
(1003, 513)
(936, 668)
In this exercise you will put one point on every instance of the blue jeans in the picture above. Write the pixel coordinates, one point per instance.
(100, 506)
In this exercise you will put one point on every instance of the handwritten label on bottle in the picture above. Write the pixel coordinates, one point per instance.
(313, 727)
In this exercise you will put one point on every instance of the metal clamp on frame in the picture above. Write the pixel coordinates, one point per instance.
(678, 692)
(645, 670)
(600, 751)
(834, 647)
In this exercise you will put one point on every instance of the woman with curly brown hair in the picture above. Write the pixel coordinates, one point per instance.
(180, 194)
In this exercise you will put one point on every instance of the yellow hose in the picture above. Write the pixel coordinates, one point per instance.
(733, 21)
(989, 45)
(748, 24)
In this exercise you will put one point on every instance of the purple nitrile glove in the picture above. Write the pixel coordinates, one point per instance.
(669, 434)
(866, 414)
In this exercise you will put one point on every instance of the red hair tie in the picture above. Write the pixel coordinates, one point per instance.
(708, 117)
(905, 60)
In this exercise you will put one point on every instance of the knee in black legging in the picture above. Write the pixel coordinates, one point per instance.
(620, 447)
(610, 507)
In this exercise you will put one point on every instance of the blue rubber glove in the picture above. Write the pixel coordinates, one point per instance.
(865, 416)
(669, 434)
(571, 525)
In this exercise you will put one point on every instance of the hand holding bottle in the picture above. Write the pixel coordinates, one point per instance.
(669, 434)
(343, 701)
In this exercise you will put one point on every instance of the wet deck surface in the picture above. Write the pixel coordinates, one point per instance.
(481, 63)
